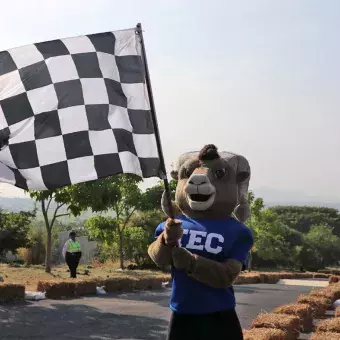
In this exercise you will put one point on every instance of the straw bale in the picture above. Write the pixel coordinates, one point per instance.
(264, 334)
(302, 311)
(329, 325)
(11, 292)
(289, 323)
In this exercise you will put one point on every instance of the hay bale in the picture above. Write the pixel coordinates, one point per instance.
(337, 312)
(120, 284)
(321, 276)
(329, 325)
(333, 279)
(248, 278)
(328, 293)
(288, 323)
(331, 292)
(58, 289)
(270, 278)
(302, 311)
(85, 287)
(318, 304)
(307, 275)
(325, 335)
(11, 292)
(264, 334)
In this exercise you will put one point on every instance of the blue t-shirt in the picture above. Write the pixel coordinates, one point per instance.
(218, 240)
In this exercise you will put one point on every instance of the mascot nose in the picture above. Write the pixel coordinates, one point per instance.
(198, 179)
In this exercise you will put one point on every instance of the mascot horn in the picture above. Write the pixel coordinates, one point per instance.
(205, 244)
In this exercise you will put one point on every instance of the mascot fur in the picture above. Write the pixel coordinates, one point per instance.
(205, 244)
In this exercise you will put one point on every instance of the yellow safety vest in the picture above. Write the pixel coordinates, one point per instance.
(73, 247)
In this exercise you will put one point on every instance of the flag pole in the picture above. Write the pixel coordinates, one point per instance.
(163, 174)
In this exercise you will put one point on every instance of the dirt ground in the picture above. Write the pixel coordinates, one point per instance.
(30, 276)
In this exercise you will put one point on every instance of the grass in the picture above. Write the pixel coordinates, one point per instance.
(29, 276)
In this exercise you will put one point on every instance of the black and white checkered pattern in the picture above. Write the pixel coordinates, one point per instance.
(75, 110)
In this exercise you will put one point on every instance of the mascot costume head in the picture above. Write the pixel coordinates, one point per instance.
(205, 241)
(210, 185)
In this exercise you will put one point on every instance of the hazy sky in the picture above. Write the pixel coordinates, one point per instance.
(257, 77)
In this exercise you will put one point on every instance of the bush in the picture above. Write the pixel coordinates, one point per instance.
(11, 292)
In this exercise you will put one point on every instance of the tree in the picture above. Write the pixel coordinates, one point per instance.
(128, 199)
(98, 195)
(14, 230)
(275, 242)
(51, 202)
(322, 245)
(153, 196)
(301, 218)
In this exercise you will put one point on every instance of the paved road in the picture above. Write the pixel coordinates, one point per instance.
(125, 316)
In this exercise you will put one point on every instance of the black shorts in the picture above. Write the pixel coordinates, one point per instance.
(217, 326)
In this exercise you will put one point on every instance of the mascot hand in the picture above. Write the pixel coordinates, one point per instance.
(183, 259)
(172, 232)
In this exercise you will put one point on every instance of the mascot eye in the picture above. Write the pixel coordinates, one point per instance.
(220, 173)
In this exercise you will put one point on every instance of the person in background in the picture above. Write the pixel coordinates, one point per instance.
(72, 254)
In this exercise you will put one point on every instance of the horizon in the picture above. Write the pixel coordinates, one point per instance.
(267, 73)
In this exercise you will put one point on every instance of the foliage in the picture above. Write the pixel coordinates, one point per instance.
(280, 240)
(14, 230)
(302, 218)
(153, 195)
(136, 245)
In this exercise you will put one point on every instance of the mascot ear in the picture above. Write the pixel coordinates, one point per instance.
(242, 211)
(174, 175)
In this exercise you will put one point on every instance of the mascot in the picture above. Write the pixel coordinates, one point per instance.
(206, 243)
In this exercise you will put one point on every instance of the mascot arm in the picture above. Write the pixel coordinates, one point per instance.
(159, 252)
(212, 273)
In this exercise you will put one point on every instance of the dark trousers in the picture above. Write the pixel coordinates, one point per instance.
(217, 326)
(72, 260)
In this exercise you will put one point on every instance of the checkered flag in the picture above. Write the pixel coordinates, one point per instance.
(75, 110)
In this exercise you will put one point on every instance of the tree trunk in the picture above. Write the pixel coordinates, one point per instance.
(121, 252)
(48, 264)
(250, 261)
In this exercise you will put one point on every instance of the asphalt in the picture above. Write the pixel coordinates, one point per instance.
(133, 316)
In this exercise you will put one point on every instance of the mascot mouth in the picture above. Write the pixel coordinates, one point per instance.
(199, 198)
(201, 202)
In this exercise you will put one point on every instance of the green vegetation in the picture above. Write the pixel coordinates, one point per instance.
(122, 218)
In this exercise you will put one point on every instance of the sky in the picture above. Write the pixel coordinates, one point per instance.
(256, 77)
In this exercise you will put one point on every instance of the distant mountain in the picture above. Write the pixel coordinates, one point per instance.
(272, 197)
(16, 204)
